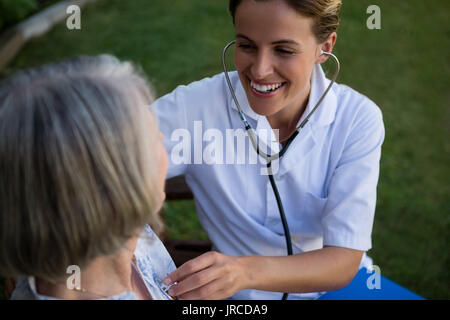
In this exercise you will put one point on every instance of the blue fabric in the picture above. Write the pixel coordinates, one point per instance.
(358, 289)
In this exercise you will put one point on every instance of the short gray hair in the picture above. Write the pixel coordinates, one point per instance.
(77, 177)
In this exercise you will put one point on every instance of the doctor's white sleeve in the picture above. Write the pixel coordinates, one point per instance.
(170, 112)
(348, 216)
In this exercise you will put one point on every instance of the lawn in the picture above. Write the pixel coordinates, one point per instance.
(403, 67)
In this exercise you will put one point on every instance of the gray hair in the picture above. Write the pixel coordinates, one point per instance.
(77, 176)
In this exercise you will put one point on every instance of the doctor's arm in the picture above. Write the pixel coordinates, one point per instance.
(347, 223)
(216, 276)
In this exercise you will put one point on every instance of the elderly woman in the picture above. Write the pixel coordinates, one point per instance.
(82, 170)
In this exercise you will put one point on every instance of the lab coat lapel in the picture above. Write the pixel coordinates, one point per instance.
(241, 97)
(299, 150)
(326, 112)
(312, 133)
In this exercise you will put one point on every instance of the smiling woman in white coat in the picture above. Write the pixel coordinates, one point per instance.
(327, 179)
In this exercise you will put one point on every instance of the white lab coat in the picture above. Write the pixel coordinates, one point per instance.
(327, 179)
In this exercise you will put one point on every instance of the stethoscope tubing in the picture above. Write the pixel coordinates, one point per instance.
(254, 140)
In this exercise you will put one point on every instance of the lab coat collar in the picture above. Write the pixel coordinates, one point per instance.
(242, 98)
(324, 115)
(310, 135)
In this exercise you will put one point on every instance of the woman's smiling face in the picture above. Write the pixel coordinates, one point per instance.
(275, 53)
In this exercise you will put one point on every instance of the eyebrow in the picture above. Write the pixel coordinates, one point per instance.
(283, 41)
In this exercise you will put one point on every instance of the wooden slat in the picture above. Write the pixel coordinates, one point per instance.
(177, 189)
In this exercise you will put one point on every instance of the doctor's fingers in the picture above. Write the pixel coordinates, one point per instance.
(192, 266)
(194, 284)
(215, 290)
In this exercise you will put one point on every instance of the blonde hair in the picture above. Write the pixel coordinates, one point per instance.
(77, 175)
(324, 12)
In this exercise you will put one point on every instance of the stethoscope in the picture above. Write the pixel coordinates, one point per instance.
(269, 158)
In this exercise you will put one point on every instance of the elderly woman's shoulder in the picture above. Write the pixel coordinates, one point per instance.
(22, 291)
(26, 290)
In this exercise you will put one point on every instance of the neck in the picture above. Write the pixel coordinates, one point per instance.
(285, 121)
(104, 277)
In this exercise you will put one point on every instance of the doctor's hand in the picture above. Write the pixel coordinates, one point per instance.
(210, 276)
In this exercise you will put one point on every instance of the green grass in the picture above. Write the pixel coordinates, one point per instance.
(403, 67)
(182, 221)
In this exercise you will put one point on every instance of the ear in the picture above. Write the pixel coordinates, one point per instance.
(327, 46)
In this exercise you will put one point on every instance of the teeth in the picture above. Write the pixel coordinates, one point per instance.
(265, 88)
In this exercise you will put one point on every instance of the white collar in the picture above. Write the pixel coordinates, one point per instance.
(241, 97)
(325, 113)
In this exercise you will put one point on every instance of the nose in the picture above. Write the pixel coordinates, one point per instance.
(262, 66)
